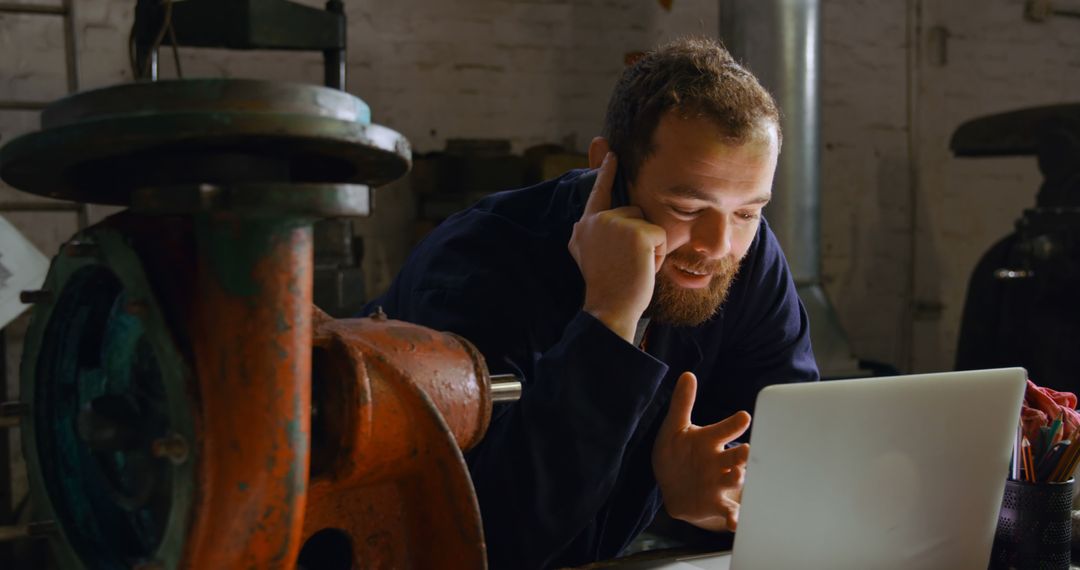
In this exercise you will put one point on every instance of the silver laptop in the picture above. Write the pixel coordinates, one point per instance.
(903, 472)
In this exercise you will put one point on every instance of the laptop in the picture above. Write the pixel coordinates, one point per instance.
(901, 472)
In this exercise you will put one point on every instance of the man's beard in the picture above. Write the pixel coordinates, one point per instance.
(676, 305)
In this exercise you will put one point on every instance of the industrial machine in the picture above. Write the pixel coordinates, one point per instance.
(183, 402)
(1022, 305)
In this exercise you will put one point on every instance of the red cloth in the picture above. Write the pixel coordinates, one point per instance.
(1042, 405)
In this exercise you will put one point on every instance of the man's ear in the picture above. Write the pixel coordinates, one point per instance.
(598, 149)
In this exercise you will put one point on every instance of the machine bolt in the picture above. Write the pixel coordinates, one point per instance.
(34, 297)
(171, 447)
(32, 530)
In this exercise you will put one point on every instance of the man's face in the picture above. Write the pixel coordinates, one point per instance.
(707, 194)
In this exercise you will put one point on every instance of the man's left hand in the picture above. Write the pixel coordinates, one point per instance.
(700, 480)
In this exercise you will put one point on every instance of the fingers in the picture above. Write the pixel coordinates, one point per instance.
(725, 431)
(731, 514)
(728, 471)
(725, 515)
(734, 457)
(682, 403)
(726, 506)
(600, 198)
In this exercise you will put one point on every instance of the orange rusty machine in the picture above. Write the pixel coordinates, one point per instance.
(183, 403)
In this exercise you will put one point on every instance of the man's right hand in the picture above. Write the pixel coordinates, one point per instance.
(619, 253)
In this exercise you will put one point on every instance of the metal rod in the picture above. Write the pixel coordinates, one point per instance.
(40, 207)
(334, 59)
(71, 58)
(9, 533)
(32, 530)
(23, 105)
(10, 8)
(7, 502)
(505, 388)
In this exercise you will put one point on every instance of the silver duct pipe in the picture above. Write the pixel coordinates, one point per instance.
(779, 41)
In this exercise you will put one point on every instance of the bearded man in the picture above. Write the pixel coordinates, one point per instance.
(612, 310)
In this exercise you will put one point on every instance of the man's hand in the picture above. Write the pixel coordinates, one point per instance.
(619, 253)
(700, 480)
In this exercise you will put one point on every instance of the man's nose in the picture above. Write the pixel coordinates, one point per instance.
(712, 237)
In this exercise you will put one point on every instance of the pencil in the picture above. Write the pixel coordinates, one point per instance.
(1029, 471)
(1063, 463)
(1016, 454)
(1055, 429)
(1070, 467)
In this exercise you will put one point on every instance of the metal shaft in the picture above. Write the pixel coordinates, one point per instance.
(32, 530)
(505, 388)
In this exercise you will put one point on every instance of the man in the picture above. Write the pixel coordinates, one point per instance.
(599, 305)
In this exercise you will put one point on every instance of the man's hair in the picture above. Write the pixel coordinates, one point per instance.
(694, 77)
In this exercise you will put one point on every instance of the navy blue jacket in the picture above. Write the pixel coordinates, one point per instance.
(564, 476)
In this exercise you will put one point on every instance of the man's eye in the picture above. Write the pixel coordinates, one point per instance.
(683, 212)
(748, 216)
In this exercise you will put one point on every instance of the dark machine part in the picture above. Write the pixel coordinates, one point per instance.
(339, 276)
(240, 24)
(167, 373)
(1023, 300)
(100, 146)
(140, 450)
(265, 25)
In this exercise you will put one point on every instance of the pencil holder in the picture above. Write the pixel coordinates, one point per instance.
(1034, 526)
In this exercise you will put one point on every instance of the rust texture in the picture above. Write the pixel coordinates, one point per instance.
(377, 411)
(250, 333)
(396, 404)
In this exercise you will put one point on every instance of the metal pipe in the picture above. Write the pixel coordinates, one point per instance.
(39, 207)
(779, 42)
(251, 346)
(334, 59)
(33, 530)
(71, 56)
(23, 105)
(11, 8)
(913, 35)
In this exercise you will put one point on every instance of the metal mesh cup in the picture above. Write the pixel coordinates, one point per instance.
(1034, 526)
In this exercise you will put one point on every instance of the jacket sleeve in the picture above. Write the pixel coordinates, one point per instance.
(549, 461)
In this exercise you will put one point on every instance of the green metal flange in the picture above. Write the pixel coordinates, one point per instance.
(107, 441)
